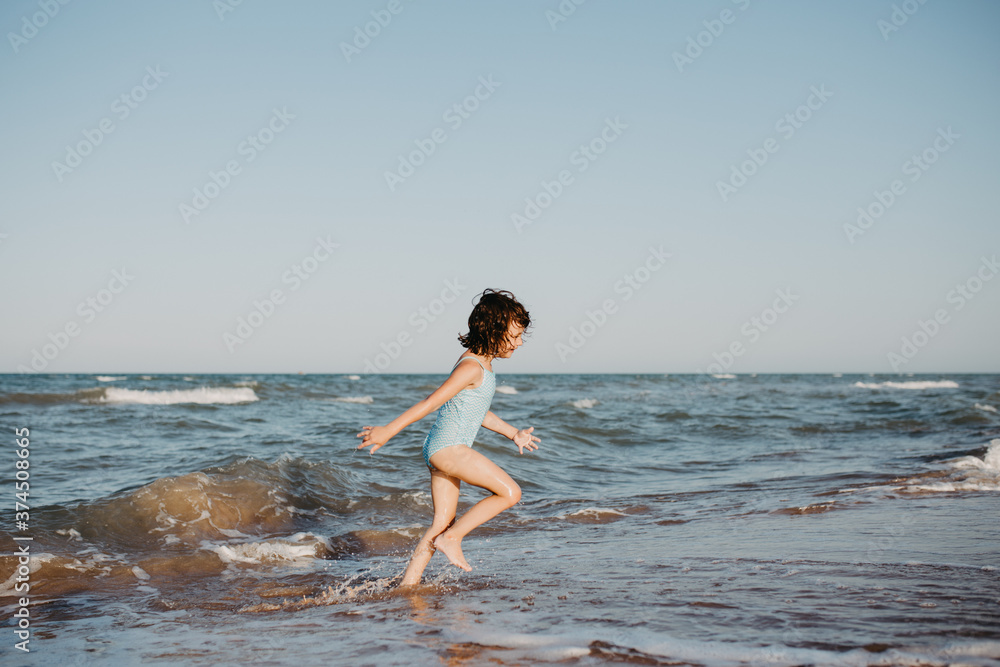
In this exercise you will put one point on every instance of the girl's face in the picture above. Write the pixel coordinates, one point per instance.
(514, 339)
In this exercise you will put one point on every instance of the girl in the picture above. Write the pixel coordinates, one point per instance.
(496, 327)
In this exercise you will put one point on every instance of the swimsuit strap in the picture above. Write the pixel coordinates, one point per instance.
(473, 358)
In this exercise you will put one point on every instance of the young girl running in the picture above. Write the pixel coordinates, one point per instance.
(496, 326)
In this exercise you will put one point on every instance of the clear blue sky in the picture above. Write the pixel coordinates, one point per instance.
(663, 133)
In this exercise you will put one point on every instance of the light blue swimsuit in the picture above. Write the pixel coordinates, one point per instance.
(459, 419)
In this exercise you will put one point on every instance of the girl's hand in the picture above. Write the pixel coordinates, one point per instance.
(376, 436)
(524, 440)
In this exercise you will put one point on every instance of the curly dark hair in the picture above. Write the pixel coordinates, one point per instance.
(490, 319)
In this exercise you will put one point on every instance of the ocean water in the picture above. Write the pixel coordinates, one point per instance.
(690, 519)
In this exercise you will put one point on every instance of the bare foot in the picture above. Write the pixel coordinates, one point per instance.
(452, 548)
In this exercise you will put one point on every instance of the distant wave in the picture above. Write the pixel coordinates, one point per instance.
(39, 399)
(110, 378)
(916, 384)
(584, 403)
(201, 395)
(506, 389)
(364, 400)
(109, 395)
(985, 408)
(353, 377)
(724, 376)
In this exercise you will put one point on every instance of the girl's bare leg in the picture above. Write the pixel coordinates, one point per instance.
(468, 465)
(444, 492)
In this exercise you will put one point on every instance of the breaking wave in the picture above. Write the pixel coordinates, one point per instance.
(914, 384)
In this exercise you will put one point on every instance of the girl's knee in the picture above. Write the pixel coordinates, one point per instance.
(513, 495)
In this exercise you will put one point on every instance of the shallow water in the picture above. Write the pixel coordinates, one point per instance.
(780, 519)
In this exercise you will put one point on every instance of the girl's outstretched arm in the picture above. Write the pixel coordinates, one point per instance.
(464, 375)
(521, 437)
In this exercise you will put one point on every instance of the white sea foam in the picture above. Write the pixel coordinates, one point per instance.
(365, 400)
(109, 378)
(970, 474)
(916, 384)
(354, 588)
(71, 533)
(35, 562)
(353, 377)
(985, 408)
(598, 514)
(302, 547)
(990, 460)
(724, 376)
(201, 395)
(966, 474)
(596, 511)
(584, 403)
(506, 389)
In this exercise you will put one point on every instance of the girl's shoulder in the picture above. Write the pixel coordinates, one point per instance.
(476, 359)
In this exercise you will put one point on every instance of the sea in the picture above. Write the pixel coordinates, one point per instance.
(665, 520)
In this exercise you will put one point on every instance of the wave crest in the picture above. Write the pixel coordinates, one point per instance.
(913, 384)
(201, 395)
